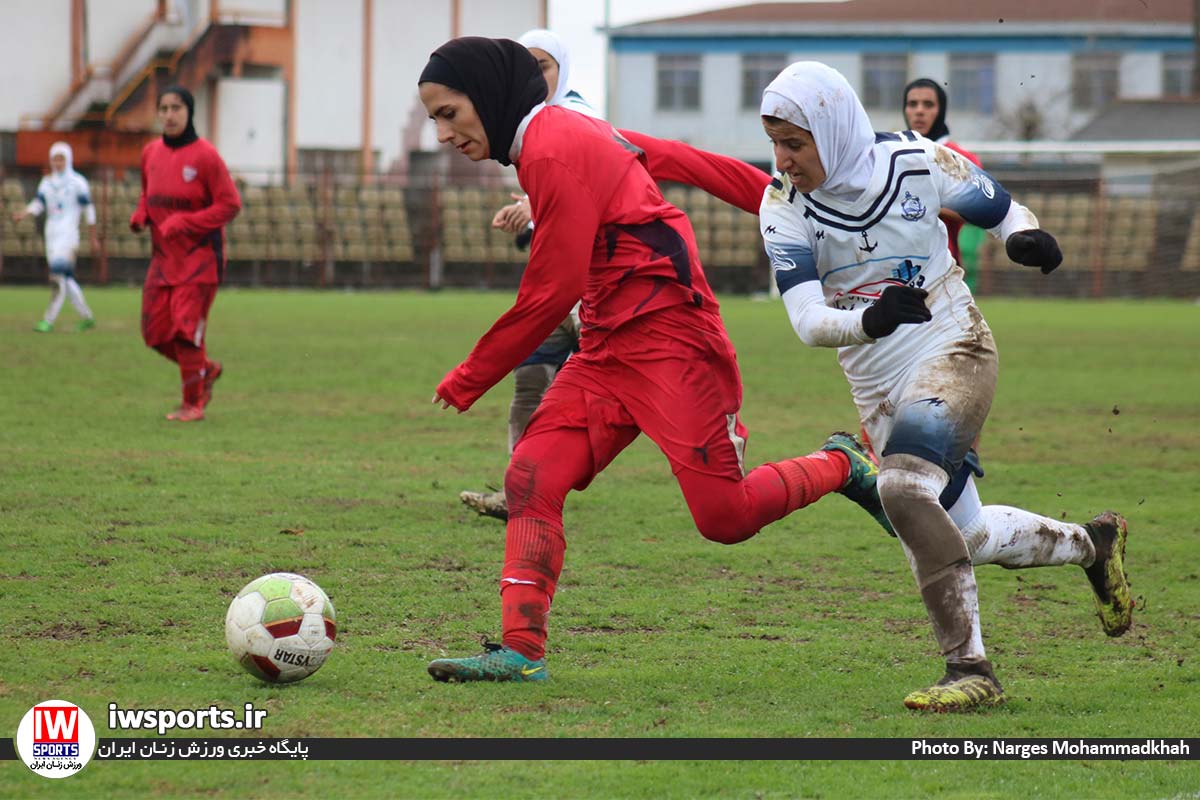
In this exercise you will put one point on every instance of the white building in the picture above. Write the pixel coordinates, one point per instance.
(280, 85)
(1013, 69)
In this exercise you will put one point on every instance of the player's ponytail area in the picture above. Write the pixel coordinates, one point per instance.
(126, 537)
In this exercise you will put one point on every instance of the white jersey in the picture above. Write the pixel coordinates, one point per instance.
(889, 236)
(65, 197)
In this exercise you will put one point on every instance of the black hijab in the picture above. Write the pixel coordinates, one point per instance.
(189, 133)
(939, 128)
(501, 78)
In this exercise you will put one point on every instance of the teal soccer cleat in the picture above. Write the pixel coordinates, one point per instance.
(497, 663)
(860, 486)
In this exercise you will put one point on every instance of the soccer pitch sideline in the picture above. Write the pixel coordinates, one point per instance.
(125, 537)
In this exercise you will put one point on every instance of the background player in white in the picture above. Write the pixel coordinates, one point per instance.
(64, 195)
(533, 377)
(850, 224)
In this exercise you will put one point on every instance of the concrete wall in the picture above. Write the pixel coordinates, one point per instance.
(110, 24)
(328, 74)
(35, 57)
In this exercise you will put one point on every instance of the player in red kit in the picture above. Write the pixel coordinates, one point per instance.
(654, 356)
(187, 199)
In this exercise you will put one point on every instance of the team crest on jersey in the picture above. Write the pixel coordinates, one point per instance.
(911, 208)
(189, 174)
(985, 186)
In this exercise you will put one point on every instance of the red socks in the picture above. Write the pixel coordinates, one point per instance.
(191, 369)
(811, 477)
(533, 559)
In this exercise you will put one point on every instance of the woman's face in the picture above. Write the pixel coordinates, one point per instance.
(172, 114)
(921, 109)
(795, 154)
(456, 119)
(549, 69)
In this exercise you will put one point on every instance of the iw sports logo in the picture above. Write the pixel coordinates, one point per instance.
(56, 738)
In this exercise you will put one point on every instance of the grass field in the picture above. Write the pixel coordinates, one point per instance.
(124, 538)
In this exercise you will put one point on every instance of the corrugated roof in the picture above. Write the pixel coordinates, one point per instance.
(939, 11)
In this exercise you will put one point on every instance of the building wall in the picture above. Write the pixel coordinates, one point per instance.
(1033, 71)
(110, 24)
(328, 74)
(35, 57)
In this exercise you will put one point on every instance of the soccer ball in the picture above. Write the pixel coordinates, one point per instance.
(281, 627)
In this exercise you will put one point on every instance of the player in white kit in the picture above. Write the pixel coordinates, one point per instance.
(64, 196)
(850, 224)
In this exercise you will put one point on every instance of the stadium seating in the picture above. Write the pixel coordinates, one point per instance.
(1191, 251)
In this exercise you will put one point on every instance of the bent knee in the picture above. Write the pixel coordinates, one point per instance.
(722, 530)
(905, 486)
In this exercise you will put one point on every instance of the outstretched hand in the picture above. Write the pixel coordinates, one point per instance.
(1034, 248)
(898, 305)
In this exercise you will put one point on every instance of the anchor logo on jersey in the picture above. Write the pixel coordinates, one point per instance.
(911, 208)
(867, 246)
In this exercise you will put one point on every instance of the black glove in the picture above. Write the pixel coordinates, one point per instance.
(898, 305)
(1034, 248)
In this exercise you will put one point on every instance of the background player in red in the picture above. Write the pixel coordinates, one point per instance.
(187, 199)
(925, 113)
(654, 355)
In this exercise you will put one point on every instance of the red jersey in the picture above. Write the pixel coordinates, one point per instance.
(954, 224)
(187, 198)
(604, 233)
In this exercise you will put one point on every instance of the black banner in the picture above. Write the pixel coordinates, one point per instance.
(1078, 749)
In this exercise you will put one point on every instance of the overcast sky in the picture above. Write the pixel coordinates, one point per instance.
(576, 20)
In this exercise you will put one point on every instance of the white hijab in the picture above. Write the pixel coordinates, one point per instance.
(546, 40)
(817, 98)
(63, 149)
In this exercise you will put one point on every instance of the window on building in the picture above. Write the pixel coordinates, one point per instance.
(1095, 80)
(884, 77)
(1177, 75)
(759, 69)
(678, 83)
(973, 82)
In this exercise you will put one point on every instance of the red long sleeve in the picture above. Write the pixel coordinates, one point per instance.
(733, 181)
(552, 282)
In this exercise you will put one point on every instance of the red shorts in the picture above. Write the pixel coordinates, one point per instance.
(672, 374)
(176, 312)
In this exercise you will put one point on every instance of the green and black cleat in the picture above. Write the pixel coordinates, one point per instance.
(864, 473)
(496, 663)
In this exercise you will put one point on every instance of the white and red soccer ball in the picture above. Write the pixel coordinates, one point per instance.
(281, 627)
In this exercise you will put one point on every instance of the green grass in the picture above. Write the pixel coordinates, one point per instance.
(124, 538)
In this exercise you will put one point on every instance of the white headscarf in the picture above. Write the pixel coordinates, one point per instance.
(546, 40)
(63, 149)
(820, 100)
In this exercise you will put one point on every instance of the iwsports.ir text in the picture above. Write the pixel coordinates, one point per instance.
(166, 719)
